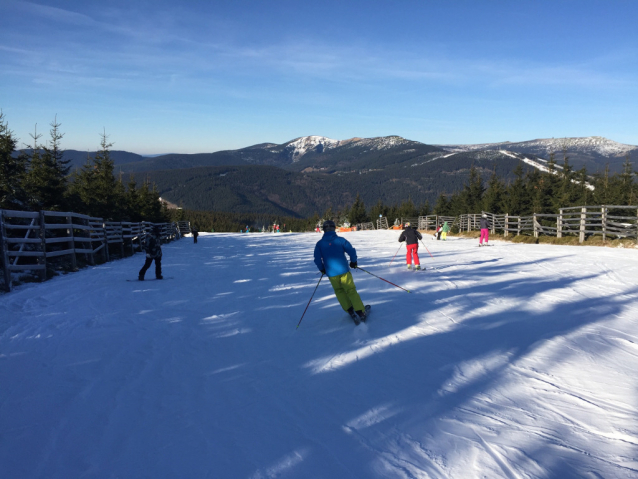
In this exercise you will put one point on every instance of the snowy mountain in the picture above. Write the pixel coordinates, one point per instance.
(514, 361)
(594, 152)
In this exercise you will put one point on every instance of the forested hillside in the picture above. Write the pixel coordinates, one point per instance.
(267, 189)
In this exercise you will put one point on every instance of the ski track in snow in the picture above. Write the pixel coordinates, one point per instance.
(515, 361)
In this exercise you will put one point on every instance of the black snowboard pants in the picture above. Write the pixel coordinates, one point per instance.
(147, 264)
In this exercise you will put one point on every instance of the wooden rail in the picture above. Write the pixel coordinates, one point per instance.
(432, 222)
(30, 240)
(605, 220)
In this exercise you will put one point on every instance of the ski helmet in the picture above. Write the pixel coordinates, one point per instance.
(484, 215)
(407, 223)
(329, 225)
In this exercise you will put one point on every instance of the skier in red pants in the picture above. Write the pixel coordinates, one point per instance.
(411, 237)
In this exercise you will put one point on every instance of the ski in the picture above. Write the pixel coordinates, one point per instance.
(149, 279)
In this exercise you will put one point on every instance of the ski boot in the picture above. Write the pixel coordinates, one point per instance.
(362, 316)
(159, 277)
(417, 267)
(409, 267)
(354, 316)
(140, 277)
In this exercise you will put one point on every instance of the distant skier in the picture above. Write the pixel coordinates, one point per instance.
(195, 235)
(437, 233)
(247, 229)
(411, 237)
(445, 229)
(485, 230)
(331, 260)
(153, 252)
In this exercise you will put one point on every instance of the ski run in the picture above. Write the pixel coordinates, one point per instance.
(516, 361)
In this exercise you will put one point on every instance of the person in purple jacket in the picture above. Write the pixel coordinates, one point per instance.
(330, 258)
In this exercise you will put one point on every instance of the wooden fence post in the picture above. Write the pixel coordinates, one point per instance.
(559, 224)
(507, 225)
(43, 241)
(91, 255)
(5, 257)
(74, 260)
(534, 225)
(107, 256)
(603, 211)
(518, 231)
(583, 218)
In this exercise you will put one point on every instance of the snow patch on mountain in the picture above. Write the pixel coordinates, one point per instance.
(590, 144)
(301, 146)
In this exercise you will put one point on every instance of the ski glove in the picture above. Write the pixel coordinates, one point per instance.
(353, 264)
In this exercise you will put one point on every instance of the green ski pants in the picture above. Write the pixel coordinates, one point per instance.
(346, 291)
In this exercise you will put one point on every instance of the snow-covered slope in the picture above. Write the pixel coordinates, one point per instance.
(515, 361)
(543, 147)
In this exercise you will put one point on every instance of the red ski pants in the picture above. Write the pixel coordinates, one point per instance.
(412, 252)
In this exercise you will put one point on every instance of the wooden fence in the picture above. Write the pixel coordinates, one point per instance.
(184, 227)
(605, 220)
(365, 226)
(28, 240)
(382, 223)
(432, 222)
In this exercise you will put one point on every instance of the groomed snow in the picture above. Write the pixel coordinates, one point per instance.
(511, 361)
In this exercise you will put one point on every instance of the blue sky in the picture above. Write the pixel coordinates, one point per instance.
(164, 76)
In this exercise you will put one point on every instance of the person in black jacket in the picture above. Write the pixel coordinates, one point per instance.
(153, 252)
(411, 237)
(195, 235)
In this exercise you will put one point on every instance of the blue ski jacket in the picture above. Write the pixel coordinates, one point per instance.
(329, 254)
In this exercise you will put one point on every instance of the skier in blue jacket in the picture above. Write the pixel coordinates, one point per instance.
(331, 260)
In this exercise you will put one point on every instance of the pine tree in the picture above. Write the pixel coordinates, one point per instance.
(358, 212)
(425, 209)
(47, 177)
(133, 206)
(626, 186)
(494, 195)
(36, 173)
(472, 196)
(565, 193)
(13, 169)
(96, 188)
(407, 209)
(582, 193)
(516, 202)
(379, 209)
(442, 205)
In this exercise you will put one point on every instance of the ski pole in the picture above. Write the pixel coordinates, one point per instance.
(383, 279)
(395, 255)
(313, 295)
(426, 249)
